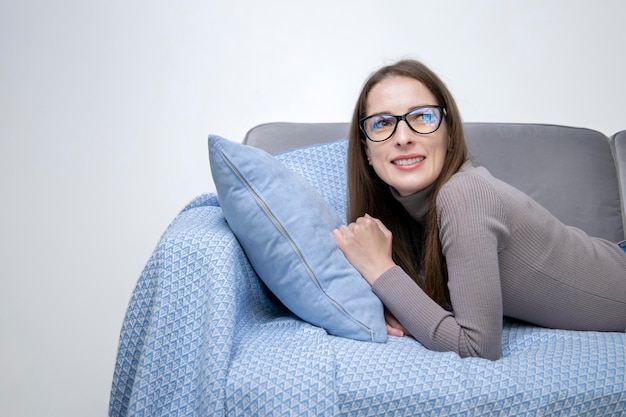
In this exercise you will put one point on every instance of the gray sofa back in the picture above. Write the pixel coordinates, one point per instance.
(618, 143)
(572, 172)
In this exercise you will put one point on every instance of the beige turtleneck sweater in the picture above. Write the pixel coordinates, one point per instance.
(506, 256)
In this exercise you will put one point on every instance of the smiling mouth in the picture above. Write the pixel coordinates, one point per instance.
(410, 161)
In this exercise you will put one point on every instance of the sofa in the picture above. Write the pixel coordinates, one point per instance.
(204, 335)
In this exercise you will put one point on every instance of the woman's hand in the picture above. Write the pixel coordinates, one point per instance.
(394, 328)
(366, 243)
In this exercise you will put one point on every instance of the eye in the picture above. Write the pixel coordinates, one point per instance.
(424, 116)
(380, 122)
(428, 118)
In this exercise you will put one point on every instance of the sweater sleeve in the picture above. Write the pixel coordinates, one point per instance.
(472, 230)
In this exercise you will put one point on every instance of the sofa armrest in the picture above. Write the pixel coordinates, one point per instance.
(618, 143)
(192, 295)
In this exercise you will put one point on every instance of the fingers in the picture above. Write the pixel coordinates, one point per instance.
(393, 331)
(369, 223)
(361, 227)
(365, 219)
(339, 235)
(394, 328)
(356, 227)
(380, 224)
(366, 247)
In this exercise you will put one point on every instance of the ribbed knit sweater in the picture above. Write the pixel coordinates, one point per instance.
(506, 256)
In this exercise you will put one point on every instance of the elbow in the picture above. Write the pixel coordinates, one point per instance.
(486, 348)
(492, 356)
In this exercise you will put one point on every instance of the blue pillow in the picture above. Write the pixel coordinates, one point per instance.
(284, 225)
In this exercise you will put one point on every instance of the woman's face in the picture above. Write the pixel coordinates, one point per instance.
(407, 161)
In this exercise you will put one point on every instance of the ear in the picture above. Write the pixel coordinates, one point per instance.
(367, 153)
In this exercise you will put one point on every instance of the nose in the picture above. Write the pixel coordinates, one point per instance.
(403, 135)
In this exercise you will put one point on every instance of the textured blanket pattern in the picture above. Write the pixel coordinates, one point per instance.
(202, 336)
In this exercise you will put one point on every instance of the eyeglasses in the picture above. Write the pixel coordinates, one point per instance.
(422, 120)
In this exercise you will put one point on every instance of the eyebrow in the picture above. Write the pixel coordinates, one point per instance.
(392, 114)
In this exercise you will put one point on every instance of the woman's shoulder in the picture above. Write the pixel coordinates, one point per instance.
(470, 179)
(472, 190)
(473, 196)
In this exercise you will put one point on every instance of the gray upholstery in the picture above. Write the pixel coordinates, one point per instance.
(618, 142)
(276, 137)
(570, 171)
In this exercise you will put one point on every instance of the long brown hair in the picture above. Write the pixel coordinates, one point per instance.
(367, 193)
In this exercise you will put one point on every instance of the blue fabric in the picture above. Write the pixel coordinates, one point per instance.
(284, 226)
(203, 336)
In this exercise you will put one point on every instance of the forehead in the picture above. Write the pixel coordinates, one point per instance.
(398, 95)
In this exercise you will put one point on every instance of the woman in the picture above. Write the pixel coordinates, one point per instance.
(467, 249)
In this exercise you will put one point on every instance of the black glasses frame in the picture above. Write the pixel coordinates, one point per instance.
(442, 109)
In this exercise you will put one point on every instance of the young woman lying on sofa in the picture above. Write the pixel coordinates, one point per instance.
(447, 247)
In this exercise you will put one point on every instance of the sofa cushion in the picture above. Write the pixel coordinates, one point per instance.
(284, 225)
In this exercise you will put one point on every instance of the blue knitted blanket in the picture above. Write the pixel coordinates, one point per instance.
(203, 336)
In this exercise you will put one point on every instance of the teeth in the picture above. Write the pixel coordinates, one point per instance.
(408, 161)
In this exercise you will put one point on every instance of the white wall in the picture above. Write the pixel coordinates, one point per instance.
(105, 109)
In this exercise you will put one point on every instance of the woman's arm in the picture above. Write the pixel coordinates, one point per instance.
(472, 228)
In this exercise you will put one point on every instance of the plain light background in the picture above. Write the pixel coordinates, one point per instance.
(105, 109)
